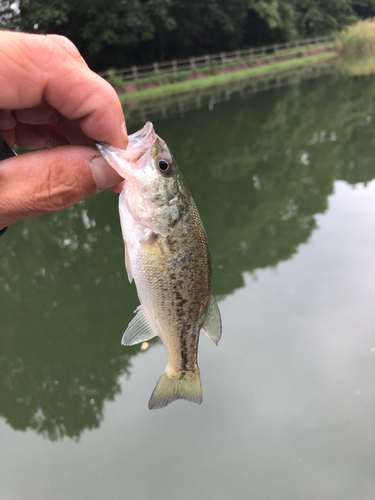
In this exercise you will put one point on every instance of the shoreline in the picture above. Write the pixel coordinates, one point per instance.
(228, 76)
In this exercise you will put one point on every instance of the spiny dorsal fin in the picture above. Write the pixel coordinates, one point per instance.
(212, 323)
(138, 330)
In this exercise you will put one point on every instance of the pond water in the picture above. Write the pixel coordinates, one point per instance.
(283, 180)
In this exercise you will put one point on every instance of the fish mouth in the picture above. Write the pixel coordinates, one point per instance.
(122, 160)
(143, 138)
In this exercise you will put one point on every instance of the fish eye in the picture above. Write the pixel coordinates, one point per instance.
(165, 167)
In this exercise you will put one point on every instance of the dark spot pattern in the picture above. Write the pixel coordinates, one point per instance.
(175, 279)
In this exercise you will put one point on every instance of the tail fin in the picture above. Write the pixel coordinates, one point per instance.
(172, 387)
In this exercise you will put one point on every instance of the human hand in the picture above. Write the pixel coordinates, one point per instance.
(49, 97)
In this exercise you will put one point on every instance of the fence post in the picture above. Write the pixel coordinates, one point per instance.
(264, 52)
(237, 55)
(207, 58)
(275, 48)
(174, 65)
(223, 59)
(156, 68)
(251, 54)
(192, 62)
(135, 72)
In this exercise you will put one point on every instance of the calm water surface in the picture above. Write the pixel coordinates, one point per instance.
(284, 183)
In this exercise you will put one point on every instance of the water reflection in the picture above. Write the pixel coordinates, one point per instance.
(65, 304)
(259, 168)
(269, 163)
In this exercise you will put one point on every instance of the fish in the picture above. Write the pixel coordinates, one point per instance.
(167, 255)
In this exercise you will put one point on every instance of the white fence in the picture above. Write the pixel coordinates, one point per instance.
(135, 72)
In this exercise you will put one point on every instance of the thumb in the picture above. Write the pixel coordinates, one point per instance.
(44, 181)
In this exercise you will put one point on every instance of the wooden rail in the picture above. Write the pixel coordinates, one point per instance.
(156, 68)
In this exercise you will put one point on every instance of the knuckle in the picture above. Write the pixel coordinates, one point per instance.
(57, 190)
(49, 53)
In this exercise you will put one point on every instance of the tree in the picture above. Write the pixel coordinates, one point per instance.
(319, 16)
(125, 32)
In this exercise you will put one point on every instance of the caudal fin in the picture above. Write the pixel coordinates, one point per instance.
(170, 388)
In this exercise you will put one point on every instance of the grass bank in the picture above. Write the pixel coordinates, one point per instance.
(138, 112)
(213, 80)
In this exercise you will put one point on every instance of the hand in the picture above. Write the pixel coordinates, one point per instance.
(49, 97)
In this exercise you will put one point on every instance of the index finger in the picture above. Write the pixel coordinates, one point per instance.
(35, 69)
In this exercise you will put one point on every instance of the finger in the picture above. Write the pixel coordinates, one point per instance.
(39, 136)
(73, 132)
(7, 119)
(9, 137)
(69, 47)
(38, 115)
(118, 188)
(45, 181)
(54, 76)
(44, 114)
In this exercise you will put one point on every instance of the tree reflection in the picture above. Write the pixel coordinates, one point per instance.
(260, 169)
(269, 163)
(65, 305)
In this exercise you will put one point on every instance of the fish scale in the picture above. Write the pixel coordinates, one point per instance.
(156, 280)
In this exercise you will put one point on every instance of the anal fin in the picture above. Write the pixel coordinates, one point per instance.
(212, 323)
(139, 329)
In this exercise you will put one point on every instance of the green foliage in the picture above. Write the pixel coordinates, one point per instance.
(359, 39)
(115, 80)
(124, 32)
(320, 16)
(8, 14)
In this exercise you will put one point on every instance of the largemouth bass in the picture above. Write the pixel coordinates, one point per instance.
(167, 255)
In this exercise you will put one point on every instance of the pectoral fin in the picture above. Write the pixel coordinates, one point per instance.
(138, 330)
(212, 323)
(127, 264)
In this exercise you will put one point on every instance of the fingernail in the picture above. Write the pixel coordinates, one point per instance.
(104, 175)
